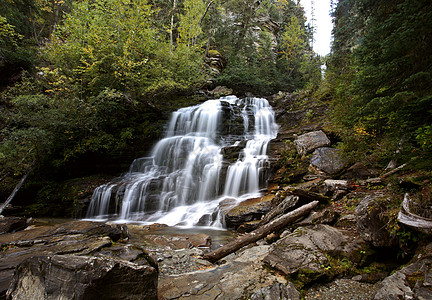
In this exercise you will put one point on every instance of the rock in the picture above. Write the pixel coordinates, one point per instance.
(248, 210)
(239, 278)
(328, 160)
(370, 222)
(278, 147)
(411, 282)
(248, 226)
(180, 241)
(12, 224)
(310, 141)
(326, 216)
(77, 237)
(82, 277)
(359, 171)
(277, 291)
(232, 153)
(304, 252)
(220, 91)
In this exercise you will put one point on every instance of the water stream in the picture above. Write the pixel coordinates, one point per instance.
(213, 155)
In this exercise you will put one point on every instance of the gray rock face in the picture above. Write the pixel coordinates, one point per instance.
(239, 278)
(78, 238)
(370, 224)
(306, 249)
(412, 282)
(310, 141)
(328, 160)
(44, 277)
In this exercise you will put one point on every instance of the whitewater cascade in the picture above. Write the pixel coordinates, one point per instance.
(211, 152)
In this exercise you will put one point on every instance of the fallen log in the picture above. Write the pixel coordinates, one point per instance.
(286, 204)
(408, 218)
(259, 233)
(309, 195)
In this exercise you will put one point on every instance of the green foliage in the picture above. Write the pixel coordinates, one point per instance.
(111, 44)
(381, 76)
(260, 59)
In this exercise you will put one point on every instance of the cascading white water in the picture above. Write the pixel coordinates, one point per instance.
(187, 175)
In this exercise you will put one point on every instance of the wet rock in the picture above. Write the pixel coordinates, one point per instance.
(305, 251)
(248, 210)
(13, 224)
(328, 160)
(232, 153)
(310, 141)
(77, 237)
(82, 277)
(370, 222)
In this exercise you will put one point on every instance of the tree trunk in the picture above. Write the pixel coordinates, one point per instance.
(18, 186)
(172, 23)
(259, 233)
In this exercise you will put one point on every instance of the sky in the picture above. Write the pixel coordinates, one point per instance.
(323, 24)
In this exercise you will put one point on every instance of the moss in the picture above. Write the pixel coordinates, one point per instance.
(214, 53)
(304, 277)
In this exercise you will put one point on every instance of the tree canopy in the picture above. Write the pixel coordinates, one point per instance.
(381, 72)
(93, 80)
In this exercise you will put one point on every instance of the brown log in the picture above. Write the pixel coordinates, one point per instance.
(259, 233)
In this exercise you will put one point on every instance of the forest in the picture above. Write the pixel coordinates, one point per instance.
(87, 85)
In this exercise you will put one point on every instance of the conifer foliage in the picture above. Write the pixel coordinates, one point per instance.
(381, 72)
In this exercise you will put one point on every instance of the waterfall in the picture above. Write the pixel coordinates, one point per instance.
(210, 152)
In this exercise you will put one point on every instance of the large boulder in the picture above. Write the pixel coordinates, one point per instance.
(310, 141)
(82, 277)
(371, 222)
(77, 237)
(328, 160)
(248, 210)
(241, 277)
(12, 224)
(304, 253)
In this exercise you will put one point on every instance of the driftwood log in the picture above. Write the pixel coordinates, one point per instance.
(260, 232)
(406, 217)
